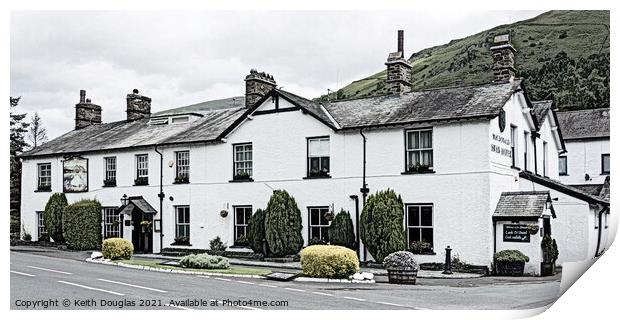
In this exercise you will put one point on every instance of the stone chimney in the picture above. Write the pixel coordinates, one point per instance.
(398, 69)
(86, 113)
(257, 85)
(138, 106)
(503, 58)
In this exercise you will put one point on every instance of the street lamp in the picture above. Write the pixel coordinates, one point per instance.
(124, 200)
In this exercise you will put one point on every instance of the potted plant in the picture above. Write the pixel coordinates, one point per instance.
(141, 181)
(319, 172)
(45, 188)
(242, 175)
(420, 247)
(181, 241)
(532, 229)
(181, 179)
(510, 263)
(146, 225)
(550, 256)
(417, 167)
(242, 241)
(109, 183)
(401, 267)
(316, 241)
(329, 215)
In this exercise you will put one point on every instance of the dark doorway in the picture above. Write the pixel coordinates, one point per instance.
(142, 234)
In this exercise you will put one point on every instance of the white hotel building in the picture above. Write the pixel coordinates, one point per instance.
(467, 160)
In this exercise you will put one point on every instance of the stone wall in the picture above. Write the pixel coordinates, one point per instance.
(257, 85)
(138, 106)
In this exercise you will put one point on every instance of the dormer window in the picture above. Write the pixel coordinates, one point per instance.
(159, 121)
(183, 119)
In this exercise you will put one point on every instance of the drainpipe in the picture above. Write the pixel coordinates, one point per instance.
(600, 232)
(161, 196)
(357, 222)
(364, 190)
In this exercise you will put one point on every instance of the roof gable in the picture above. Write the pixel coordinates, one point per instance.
(585, 124)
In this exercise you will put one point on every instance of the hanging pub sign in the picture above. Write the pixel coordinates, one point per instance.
(516, 233)
(75, 174)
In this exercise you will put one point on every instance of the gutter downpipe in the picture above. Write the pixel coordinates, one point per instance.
(364, 190)
(161, 196)
(600, 232)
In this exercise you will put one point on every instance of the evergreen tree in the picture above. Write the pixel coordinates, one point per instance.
(18, 129)
(37, 134)
(256, 231)
(52, 217)
(283, 225)
(341, 231)
(381, 224)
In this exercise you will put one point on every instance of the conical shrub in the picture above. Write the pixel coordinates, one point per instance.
(52, 218)
(381, 224)
(256, 230)
(283, 225)
(341, 231)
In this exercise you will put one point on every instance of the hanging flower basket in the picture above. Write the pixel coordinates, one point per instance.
(533, 228)
(224, 213)
(329, 215)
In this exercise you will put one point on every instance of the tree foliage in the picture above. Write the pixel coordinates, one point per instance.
(283, 225)
(37, 134)
(341, 231)
(53, 216)
(18, 128)
(381, 224)
(256, 230)
(81, 225)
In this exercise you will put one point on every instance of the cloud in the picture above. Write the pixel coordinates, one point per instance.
(183, 57)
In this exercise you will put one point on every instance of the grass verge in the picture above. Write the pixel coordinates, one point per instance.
(231, 270)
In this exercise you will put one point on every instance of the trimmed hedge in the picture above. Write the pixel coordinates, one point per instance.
(81, 225)
(341, 231)
(256, 230)
(324, 261)
(381, 224)
(204, 261)
(117, 248)
(283, 225)
(52, 217)
(511, 256)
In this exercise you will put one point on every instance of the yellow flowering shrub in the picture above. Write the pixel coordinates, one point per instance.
(117, 248)
(325, 261)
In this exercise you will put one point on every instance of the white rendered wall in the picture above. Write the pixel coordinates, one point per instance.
(584, 156)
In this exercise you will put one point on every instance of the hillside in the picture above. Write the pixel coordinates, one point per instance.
(563, 55)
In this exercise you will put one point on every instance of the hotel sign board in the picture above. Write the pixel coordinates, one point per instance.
(516, 233)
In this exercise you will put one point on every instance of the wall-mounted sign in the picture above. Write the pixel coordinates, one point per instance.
(75, 174)
(502, 120)
(516, 233)
(504, 146)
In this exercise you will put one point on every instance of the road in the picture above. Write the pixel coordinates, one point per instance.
(44, 282)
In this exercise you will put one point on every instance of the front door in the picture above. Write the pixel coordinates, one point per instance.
(142, 235)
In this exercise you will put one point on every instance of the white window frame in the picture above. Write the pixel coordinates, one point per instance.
(182, 163)
(603, 172)
(109, 167)
(110, 215)
(182, 224)
(526, 139)
(179, 120)
(323, 228)
(243, 158)
(40, 224)
(545, 158)
(241, 224)
(409, 225)
(565, 159)
(514, 143)
(44, 180)
(419, 150)
(142, 165)
(321, 156)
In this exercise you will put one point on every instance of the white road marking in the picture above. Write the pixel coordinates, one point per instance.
(207, 277)
(250, 308)
(50, 270)
(91, 288)
(23, 274)
(178, 307)
(244, 282)
(133, 285)
(267, 285)
(222, 279)
(353, 298)
(390, 304)
(323, 293)
(293, 289)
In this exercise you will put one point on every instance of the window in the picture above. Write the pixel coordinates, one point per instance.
(242, 162)
(535, 155)
(44, 178)
(419, 221)
(563, 166)
(605, 164)
(142, 169)
(40, 224)
(318, 157)
(182, 160)
(111, 223)
(176, 120)
(110, 171)
(242, 216)
(182, 224)
(419, 150)
(318, 224)
(545, 157)
(526, 138)
(514, 140)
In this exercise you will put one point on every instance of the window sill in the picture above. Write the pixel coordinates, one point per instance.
(515, 167)
(605, 173)
(317, 177)
(185, 182)
(425, 254)
(418, 172)
(108, 186)
(563, 175)
(240, 246)
(181, 244)
(242, 180)
(138, 185)
(43, 190)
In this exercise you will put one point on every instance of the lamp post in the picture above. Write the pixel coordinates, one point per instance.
(124, 200)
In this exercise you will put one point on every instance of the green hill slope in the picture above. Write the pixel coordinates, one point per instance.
(563, 55)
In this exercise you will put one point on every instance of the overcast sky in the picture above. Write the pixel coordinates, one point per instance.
(180, 58)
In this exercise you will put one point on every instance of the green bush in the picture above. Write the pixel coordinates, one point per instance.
(511, 256)
(283, 225)
(256, 230)
(216, 244)
(341, 231)
(52, 218)
(117, 248)
(81, 225)
(204, 261)
(549, 248)
(381, 224)
(325, 261)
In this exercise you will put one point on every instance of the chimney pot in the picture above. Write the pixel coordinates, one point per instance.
(503, 58)
(398, 70)
(257, 85)
(135, 91)
(86, 113)
(401, 38)
(87, 100)
(138, 106)
(82, 95)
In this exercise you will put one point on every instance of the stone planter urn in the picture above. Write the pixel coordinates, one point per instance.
(547, 269)
(401, 267)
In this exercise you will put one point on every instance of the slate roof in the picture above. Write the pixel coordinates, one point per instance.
(203, 107)
(584, 124)
(591, 189)
(309, 105)
(566, 189)
(482, 101)
(540, 110)
(137, 202)
(522, 204)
